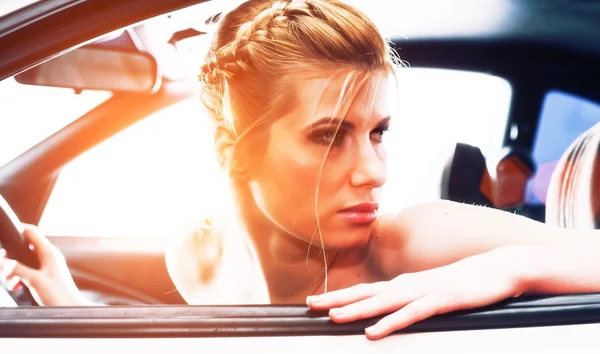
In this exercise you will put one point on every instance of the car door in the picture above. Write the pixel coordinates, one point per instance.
(567, 323)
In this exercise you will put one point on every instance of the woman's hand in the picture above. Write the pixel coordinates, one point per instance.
(52, 284)
(472, 282)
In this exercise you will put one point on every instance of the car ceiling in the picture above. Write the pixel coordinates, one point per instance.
(569, 26)
(572, 24)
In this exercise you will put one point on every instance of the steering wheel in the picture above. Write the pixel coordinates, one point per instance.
(17, 248)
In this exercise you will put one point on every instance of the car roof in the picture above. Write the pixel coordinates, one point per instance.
(571, 24)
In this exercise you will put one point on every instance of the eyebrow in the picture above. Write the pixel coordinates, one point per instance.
(341, 123)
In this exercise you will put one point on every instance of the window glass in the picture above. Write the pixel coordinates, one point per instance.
(144, 181)
(29, 114)
(564, 117)
(159, 174)
(437, 109)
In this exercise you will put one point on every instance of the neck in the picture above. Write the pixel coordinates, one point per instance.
(292, 267)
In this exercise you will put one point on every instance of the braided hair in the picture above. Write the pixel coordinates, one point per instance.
(262, 43)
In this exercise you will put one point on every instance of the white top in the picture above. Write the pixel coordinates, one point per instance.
(238, 278)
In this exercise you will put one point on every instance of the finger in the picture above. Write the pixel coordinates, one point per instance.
(382, 303)
(2, 253)
(7, 267)
(343, 297)
(14, 283)
(42, 246)
(413, 312)
(11, 268)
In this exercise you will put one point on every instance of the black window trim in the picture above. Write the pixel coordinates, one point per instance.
(276, 320)
(46, 29)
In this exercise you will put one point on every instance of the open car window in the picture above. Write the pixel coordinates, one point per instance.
(29, 114)
(563, 118)
(158, 178)
(164, 173)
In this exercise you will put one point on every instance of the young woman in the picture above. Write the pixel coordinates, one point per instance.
(299, 91)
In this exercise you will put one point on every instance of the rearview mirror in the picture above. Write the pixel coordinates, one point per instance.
(97, 68)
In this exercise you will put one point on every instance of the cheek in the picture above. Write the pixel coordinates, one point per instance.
(382, 155)
(285, 187)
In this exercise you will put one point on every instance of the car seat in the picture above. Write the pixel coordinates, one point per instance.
(573, 199)
(497, 182)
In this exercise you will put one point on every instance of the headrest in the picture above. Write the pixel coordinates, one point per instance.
(573, 199)
(510, 170)
(499, 181)
(463, 176)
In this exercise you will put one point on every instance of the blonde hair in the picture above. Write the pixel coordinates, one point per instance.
(263, 47)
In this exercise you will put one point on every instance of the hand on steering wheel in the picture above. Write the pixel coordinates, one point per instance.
(51, 284)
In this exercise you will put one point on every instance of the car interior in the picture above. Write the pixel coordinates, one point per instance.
(539, 159)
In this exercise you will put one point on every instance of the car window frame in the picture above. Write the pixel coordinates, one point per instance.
(46, 29)
(32, 49)
(170, 321)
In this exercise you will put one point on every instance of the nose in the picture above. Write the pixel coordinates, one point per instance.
(370, 167)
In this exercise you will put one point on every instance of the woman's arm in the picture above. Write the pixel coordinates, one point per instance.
(472, 282)
(474, 256)
(435, 234)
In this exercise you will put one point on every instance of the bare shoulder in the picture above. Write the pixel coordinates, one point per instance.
(438, 233)
(389, 239)
(433, 215)
(392, 248)
(393, 229)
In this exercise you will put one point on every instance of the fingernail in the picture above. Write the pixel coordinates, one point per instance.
(312, 300)
(373, 330)
(13, 283)
(336, 312)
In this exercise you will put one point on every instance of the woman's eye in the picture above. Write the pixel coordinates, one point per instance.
(328, 137)
(377, 134)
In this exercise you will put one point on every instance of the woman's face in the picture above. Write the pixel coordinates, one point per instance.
(348, 178)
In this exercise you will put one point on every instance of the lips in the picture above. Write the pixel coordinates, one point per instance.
(360, 214)
(362, 208)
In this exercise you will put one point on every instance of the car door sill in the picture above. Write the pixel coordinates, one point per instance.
(276, 320)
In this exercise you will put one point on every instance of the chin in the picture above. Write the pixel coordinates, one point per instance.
(348, 238)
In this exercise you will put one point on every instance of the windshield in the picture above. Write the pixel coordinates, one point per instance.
(29, 114)
(8, 6)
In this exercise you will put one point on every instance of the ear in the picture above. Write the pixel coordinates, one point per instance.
(229, 157)
(224, 142)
